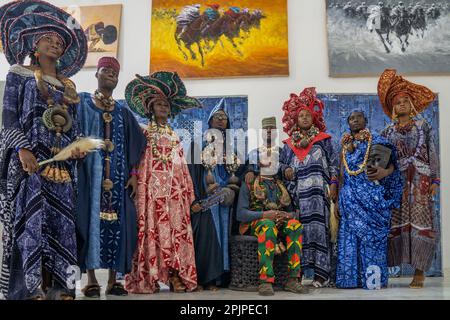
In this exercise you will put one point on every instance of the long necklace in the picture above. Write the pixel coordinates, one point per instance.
(108, 102)
(364, 135)
(57, 119)
(210, 158)
(107, 213)
(156, 133)
(301, 139)
(262, 194)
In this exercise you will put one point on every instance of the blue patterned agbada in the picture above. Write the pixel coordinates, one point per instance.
(365, 209)
(107, 244)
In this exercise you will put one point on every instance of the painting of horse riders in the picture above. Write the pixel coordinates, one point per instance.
(205, 39)
(365, 37)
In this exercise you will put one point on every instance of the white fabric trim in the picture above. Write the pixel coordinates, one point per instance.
(21, 70)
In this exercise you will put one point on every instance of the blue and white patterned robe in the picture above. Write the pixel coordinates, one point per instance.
(309, 192)
(38, 215)
(107, 244)
(365, 209)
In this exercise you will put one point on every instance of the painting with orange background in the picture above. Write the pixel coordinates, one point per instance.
(101, 24)
(220, 38)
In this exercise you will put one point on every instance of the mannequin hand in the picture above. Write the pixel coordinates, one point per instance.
(28, 160)
(433, 190)
(132, 183)
(196, 208)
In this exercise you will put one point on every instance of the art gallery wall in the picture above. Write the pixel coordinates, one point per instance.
(308, 67)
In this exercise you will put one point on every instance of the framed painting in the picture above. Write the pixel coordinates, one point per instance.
(101, 25)
(367, 36)
(222, 38)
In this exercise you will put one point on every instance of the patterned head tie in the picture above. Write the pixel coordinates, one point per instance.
(24, 23)
(307, 100)
(392, 86)
(142, 91)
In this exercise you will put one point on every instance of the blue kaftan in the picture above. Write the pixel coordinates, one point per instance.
(108, 244)
(365, 209)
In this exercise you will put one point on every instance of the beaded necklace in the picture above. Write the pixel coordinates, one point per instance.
(347, 140)
(57, 119)
(108, 103)
(210, 158)
(156, 133)
(261, 194)
(302, 140)
(107, 213)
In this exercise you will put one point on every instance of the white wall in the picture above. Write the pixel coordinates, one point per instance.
(308, 67)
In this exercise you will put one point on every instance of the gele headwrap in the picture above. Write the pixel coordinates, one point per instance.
(24, 23)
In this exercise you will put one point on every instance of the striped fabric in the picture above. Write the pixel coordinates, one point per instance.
(10, 139)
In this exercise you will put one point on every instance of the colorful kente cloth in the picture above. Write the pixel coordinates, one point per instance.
(165, 242)
(39, 226)
(267, 233)
(106, 244)
(413, 237)
(365, 209)
(309, 192)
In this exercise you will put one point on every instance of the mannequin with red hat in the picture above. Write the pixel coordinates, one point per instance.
(310, 169)
(107, 183)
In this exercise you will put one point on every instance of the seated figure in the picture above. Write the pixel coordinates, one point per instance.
(265, 211)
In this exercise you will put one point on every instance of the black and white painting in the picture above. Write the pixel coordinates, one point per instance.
(367, 36)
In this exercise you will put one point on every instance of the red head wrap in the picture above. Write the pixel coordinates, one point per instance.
(109, 62)
(307, 100)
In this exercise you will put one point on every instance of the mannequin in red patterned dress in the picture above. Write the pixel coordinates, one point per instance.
(165, 193)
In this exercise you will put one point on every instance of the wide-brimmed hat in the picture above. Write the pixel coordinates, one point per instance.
(24, 23)
(140, 92)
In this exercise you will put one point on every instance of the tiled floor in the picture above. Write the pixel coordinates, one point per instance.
(435, 289)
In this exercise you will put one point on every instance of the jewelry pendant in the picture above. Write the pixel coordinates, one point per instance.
(108, 185)
(109, 146)
(107, 117)
(304, 143)
(57, 117)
